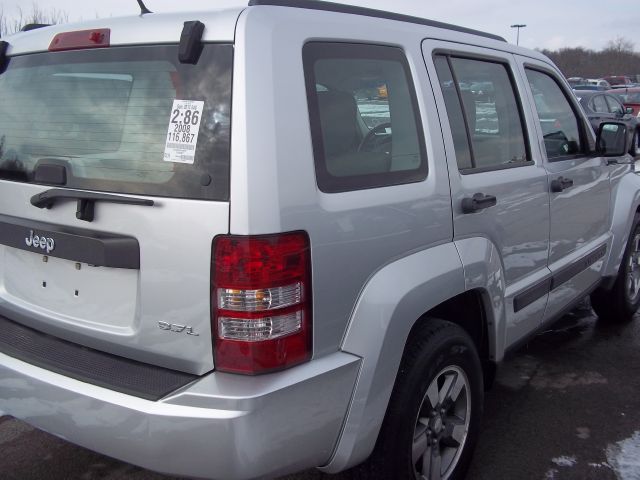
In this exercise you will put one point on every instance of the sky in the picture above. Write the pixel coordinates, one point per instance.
(551, 24)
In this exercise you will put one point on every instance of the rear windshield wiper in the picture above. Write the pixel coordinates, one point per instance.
(86, 201)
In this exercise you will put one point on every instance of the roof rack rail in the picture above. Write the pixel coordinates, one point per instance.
(33, 26)
(370, 12)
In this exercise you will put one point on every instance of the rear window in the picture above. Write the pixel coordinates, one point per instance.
(123, 119)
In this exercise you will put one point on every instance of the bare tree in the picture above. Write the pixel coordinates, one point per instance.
(620, 44)
(617, 58)
(12, 24)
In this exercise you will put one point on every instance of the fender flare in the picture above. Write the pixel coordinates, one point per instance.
(391, 302)
(395, 298)
(625, 206)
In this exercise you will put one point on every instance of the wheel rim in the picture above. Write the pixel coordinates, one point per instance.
(442, 425)
(633, 271)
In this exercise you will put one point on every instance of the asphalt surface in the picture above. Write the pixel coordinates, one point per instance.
(566, 406)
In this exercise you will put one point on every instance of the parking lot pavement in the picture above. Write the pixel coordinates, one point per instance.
(566, 406)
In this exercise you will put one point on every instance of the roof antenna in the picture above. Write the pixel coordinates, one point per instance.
(143, 8)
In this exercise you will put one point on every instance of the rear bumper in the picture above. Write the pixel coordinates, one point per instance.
(221, 426)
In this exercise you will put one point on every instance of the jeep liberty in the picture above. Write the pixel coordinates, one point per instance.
(242, 243)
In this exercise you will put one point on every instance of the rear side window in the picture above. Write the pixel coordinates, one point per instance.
(614, 105)
(364, 119)
(122, 119)
(558, 121)
(599, 104)
(484, 113)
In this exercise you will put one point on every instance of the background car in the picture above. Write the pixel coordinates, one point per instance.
(601, 107)
(573, 81)
(618, 80)
(630, 97)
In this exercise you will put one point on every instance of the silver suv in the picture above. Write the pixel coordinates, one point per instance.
(242, 243)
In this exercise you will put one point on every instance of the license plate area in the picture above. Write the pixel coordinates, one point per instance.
(70, 291)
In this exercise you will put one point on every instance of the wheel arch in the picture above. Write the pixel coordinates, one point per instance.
(395, 300)
(626, 205)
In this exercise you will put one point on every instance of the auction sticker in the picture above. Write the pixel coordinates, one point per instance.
(182, 136)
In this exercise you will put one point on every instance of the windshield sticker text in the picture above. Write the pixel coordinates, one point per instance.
(182, 135)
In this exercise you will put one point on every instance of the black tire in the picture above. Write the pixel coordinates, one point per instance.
(438, 352)
(619, 304)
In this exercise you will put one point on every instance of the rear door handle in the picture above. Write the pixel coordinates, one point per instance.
(560, 184)
(478, 202)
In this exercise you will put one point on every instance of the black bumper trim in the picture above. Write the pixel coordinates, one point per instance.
(88, 365)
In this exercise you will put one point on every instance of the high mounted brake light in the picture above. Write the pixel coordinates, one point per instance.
(96, 38)
(261, 305)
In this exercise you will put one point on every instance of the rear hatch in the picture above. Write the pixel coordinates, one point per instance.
(114, 180)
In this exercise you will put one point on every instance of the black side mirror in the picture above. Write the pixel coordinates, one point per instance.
(611, 139)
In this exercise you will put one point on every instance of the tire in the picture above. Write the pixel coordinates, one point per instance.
(619, 304)
(440, 362)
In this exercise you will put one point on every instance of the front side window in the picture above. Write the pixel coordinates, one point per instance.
(121, 119)
(365, 126)
(484, 114)
(558, 121)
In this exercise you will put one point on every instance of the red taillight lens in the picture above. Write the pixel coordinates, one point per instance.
(261, 302)
(100, 37)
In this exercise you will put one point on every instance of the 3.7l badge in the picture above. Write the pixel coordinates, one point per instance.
(176, 328)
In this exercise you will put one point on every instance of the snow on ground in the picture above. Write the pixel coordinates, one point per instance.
(624, 458)
(564, 461)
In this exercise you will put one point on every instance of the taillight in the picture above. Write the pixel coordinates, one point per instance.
(261, 305)
(99, 37)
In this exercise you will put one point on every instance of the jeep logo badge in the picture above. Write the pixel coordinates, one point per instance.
(44, 243)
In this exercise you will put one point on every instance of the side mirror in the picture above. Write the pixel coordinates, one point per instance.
(611, 139)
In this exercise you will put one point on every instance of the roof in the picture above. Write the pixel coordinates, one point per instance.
(134, 29)
(370, 12)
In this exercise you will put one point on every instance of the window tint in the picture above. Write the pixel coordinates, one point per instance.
(558, 121)
(365, 126)
(454, 112)
(599, 104)
(485, 117)
(109, 116)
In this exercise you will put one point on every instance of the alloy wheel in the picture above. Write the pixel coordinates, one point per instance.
(442, 425)
(633, 271)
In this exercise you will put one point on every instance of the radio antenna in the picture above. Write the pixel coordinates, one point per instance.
(143, 8)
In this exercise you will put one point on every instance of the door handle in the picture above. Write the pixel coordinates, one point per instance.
(560, 184)
(478, 202)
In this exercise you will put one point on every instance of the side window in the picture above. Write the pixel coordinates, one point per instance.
(599, 104)
(558, 121)
(364, 119)
(484, 114)
(614, 105)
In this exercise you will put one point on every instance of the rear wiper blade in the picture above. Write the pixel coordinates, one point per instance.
(86, 201)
